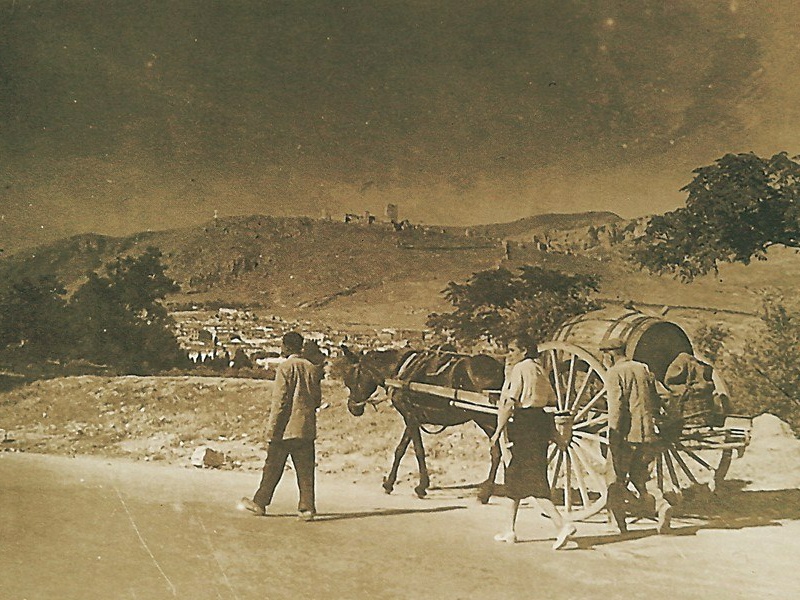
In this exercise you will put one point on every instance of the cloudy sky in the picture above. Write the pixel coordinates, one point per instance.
(122, 116)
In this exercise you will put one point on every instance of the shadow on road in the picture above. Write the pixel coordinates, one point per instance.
(457, 486)
(588, 542)
(383, 512)
(734, 508)
(730, 508)
(387, 512)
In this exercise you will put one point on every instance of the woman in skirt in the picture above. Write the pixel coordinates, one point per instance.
(529, 429)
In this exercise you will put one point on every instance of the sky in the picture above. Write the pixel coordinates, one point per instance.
(117, 117)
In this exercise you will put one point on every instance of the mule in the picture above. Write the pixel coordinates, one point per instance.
(369, 371)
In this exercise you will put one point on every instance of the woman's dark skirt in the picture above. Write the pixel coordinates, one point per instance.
(530, 431)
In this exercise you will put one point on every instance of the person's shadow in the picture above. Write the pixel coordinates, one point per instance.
(730, 507)
(381, 512)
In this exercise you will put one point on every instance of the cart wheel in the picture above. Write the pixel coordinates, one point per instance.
(695, 455)
(577, 462)
(689, 458)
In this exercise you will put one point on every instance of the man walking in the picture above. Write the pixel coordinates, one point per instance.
(633, 404)
(291, 430)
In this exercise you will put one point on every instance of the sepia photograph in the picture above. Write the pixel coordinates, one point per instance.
(399, 299)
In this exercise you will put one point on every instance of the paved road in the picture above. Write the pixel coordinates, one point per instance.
(87, 528)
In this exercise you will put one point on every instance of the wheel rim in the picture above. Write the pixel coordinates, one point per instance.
(577, 467)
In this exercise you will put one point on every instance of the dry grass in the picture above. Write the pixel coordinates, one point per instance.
(167, 418)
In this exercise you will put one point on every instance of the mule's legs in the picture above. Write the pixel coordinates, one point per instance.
(419, 450)
(399, 452)
(486, 489)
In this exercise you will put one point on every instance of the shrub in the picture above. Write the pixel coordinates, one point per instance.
(765, 375)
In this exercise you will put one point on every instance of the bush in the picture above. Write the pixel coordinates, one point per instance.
(710, 340)
(249, 373)
(115, 322)
(764, 376)
(33, 316)
(118, 319)
(338, 366)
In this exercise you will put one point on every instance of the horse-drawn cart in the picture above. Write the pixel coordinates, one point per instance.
(695, 448)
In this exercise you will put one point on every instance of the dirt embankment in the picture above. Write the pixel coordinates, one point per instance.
(167, 418)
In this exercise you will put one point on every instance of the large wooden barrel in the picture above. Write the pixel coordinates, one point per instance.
(648, 339)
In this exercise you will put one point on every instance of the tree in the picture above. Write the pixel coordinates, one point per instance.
(33, 317)
(140, 282)
(497, 306)
(119, 319)
(736, 209)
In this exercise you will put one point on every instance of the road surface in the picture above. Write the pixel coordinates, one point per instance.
(89, 528)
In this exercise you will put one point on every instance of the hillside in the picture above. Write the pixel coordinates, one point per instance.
(282, 264)
(524, 229)
(346, 274)
(341, 273)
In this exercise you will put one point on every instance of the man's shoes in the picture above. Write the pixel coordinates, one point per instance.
(664, 519)
(567, 531)
(508, 537)
(250, 506)
(306, 515)
(618, 518)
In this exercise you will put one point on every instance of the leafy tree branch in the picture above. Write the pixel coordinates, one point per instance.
(736, 209)
(498, 306)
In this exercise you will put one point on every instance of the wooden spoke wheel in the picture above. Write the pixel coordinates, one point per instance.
(692, 456)
(577, 462)
(686, 455)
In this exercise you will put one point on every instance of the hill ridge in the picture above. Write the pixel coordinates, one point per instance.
(346, 272)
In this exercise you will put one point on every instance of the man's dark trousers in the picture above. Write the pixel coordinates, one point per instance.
(303, 458)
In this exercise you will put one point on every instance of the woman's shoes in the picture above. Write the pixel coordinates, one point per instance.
(567, 531)
(509, 537)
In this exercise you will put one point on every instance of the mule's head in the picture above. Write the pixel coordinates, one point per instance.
(361, 380)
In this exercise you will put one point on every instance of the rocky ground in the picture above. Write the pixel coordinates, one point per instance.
(167, 419)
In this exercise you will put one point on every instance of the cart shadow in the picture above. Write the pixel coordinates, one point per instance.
(588, 542)
(735, 508)
(729, 508)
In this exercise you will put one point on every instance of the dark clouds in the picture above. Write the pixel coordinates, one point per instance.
(123, 116)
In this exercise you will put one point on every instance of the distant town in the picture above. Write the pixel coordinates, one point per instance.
(231, 337)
